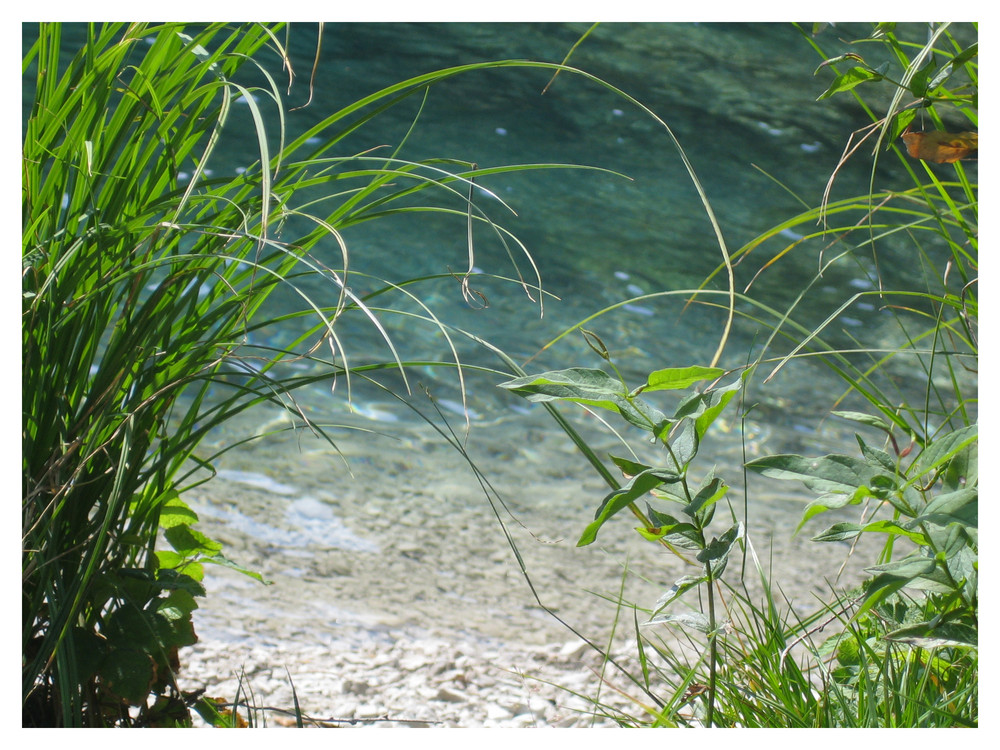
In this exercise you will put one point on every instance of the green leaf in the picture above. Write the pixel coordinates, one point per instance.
(175, 611)
(849, 80)
(89, 649)
(862, 418)
(891, 577)
(173, 580)
(129, 674)
(840, 532)
(629, 467)
(677, 533)
(190, 542)
(928, 635)
(712, 490)
(638, 486)
(678, 378)
(227, 563)
(940, 451)
(919, 83)
(695, 620)
(685, 583)
(685, 445)
(572, 384)
(705, 407)
(906, 569)
(901, 122)
(877, 457)
(963, 469)
(174, 511)
(716, 553)
(590, 387)
(953, 507)
(832, 474)
(965, 55)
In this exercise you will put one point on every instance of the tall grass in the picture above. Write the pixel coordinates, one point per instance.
(904, 649)
(147, 272)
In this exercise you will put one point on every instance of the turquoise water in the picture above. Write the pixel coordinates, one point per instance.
(741, 99)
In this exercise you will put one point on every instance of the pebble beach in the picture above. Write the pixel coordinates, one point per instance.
(396, 599)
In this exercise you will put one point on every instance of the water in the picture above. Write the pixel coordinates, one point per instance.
(739, 97)
(741, 100)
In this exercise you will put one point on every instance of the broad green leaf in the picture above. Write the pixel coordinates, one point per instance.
(677, 533)
(718, 399)
(901, 122)
(963, 469)
(716, 553)
(685, 583)
(227, 563)
(823, 504)
(128, 673)
(832, 474)
(840, 532)
(711, 491)
(629, 467)
(638, 486)
(849, 80)
(705, 407)
(175, 614)
(190, 542)
(695, 620)
(877, 457)
(684, 446)
(573, 383)
(590, 387)
(965, 55)
(177, 605)
(678, 378)
(174, 580)
(941, 450)
(907, 568)
(89, 650)
(891, 577)
(175, 511)
(961, 506)
(167, 559)
(928, 635)
(919, 82)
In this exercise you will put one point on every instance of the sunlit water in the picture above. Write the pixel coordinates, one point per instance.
(740, 98)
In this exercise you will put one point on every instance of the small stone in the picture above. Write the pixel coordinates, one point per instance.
(498, 713)
(450, 696)
(345, 710)
(572, 649)
(358, 687)
(368, 711)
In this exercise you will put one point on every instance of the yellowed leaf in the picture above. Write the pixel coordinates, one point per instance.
(941, 147)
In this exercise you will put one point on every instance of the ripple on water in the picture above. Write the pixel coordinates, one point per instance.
(312, 521)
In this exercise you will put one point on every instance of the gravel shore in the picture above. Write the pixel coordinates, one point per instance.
(397, 601)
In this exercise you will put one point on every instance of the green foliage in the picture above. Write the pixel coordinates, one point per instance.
(671, 489)
(906, 651)
(144, 281)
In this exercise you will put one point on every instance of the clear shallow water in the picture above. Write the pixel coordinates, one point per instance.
(739, 97)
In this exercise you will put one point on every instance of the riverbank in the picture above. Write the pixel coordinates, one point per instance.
(398, 601)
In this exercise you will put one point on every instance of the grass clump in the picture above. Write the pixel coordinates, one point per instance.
(147, 268)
